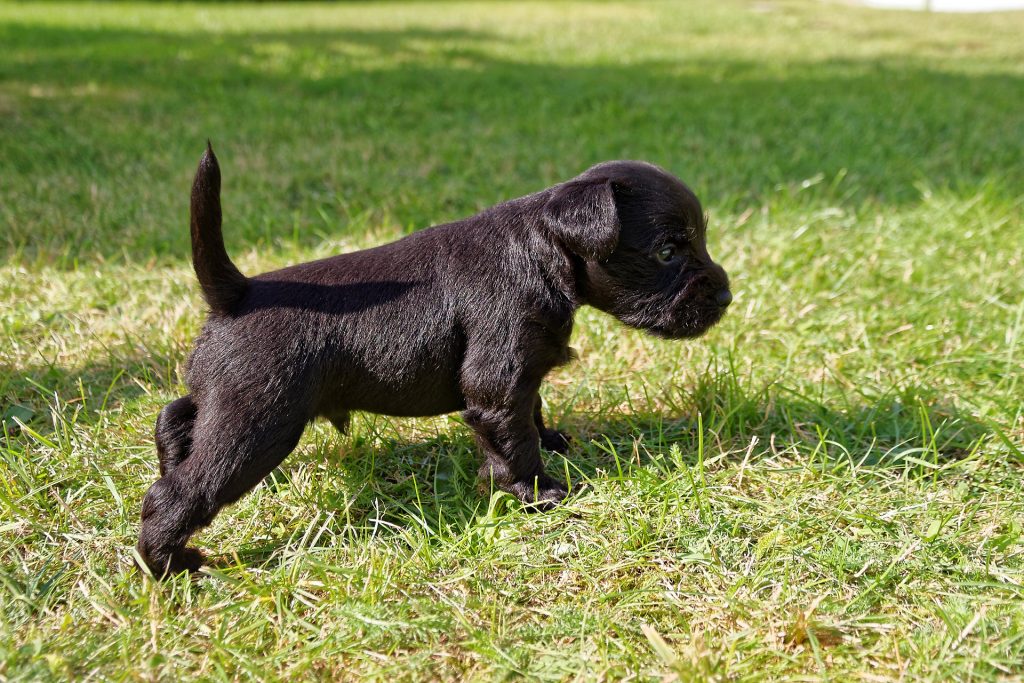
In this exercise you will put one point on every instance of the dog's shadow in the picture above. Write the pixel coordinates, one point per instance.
(377, 481)
(384, 486)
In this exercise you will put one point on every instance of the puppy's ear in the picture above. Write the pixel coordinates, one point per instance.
(583, 216)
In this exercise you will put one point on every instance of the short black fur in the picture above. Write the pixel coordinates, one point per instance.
(468, 316)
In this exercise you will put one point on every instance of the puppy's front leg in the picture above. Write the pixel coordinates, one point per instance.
(510, 443)
(550, 439)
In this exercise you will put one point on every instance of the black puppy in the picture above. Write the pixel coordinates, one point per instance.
(465, 316)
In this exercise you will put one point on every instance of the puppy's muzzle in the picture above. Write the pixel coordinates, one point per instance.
(698, 306)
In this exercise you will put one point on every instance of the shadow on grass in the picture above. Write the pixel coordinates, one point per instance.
(393, 487)
(38, 394)
(319, 130)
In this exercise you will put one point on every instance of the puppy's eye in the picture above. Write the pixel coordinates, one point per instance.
(666, 254)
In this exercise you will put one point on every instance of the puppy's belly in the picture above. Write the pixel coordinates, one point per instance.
(402, 390)
(411, 403)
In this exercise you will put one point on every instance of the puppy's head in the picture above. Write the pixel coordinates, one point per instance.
(640, 234)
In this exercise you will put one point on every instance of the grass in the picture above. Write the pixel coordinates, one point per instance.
(827, 486)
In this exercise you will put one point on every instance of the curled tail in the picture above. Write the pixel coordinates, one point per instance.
(223, 285)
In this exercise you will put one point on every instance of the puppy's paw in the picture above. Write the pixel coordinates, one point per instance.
(187, 560)
(555, 441)
(540, 494)
(163, 565)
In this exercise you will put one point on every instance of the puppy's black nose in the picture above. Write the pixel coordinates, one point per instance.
(723, 298)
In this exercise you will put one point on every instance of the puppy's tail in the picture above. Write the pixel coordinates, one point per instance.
(223, 285)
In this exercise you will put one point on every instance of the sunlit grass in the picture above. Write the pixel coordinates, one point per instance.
(827, 485)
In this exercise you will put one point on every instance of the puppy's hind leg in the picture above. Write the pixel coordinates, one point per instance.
(174, 433)
(230, 455)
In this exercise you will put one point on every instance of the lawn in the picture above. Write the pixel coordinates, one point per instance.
(825, 486)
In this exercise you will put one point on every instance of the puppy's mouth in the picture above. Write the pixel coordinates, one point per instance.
(690, 314)
(699, 322)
